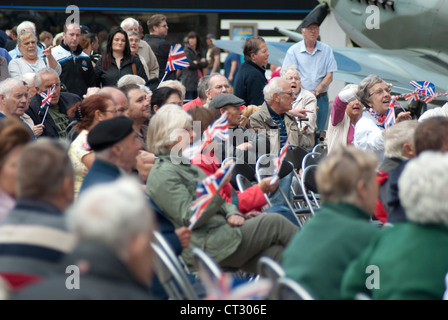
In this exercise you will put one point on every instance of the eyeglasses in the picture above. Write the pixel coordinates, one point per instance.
(291, 94)
(292, 78)
(112, 111)
(381, 91)
(223, 86)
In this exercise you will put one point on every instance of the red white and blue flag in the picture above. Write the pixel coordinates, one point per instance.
(46, 95)
(424, 88)
(205, 191)
(176, 59)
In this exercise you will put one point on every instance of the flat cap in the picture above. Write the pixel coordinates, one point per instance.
(225, 99)
(108, 132)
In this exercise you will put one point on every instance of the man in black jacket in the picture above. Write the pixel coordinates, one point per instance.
(77, 69)
(55, 119)
(158, 30)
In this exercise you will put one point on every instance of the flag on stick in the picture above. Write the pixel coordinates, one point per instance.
(176, 60)
(46, 95)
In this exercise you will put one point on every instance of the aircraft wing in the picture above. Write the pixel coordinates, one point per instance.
(398, 67)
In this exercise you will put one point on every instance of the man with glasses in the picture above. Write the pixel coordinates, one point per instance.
(55, 119)
(273, 119)
(316, 64)
(217, 84)
(158, 30)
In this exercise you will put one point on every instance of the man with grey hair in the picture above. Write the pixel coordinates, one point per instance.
(273, 118)
(217, 84)
(201, 100)
(113, 258)
(33, 237)
(28, 26)
(77, 70)
(411, 256)
(144, 49)
(54, 117)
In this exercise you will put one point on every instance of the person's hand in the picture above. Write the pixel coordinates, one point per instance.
(403, 116)
(38, 129)
(245, 146)
(266, 186)
(184, 235)
(91, 91)
(300, 113)
(254, 214)
(47, 51)
(235, 220)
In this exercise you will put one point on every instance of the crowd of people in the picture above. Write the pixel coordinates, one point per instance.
(94, 157)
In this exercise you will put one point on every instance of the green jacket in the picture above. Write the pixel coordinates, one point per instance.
(173, 188)
(318, 255)
(411, 262)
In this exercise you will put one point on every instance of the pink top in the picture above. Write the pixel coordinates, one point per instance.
(337, 115)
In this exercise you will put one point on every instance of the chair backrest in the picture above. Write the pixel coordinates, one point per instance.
(170, 276)
(295, 155)
(202, 261)
(321, 148)
(242, 182)
(245, 170)
(265, 167)
(269, 268)
(310, 159)
(287, 289)
(309, 178)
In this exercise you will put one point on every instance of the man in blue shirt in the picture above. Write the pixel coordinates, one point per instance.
(316, 64)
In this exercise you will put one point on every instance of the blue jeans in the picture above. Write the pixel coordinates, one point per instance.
(322, 113)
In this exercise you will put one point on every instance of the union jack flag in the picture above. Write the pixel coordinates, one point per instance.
(424, 88)
(46, 95)
(390, 117)
(205, 191)
(176, 59)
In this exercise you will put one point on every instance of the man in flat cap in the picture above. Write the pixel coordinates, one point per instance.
(244, 144)
(316, 63)
(116, 147)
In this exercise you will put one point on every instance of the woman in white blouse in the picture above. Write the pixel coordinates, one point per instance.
(30, 62)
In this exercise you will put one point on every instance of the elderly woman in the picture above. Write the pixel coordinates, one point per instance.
(305, 100)
(411, 257)
(13, 137)
(117, 60)
(134, 42)
(319, 254)
(30, 62)
(374, 94)
(222, 231)
(88, 114)
(345, 113)
(251, 78)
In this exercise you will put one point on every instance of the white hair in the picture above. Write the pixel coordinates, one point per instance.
(38, 76)
(26, 25)
(163, 127)
(176, 84)
(111, 214)
(396, 136)
(7, 85)
(129, 22)
(272, 87)
(130, 79)
(286, 69)
(28, 78)
(423, 188)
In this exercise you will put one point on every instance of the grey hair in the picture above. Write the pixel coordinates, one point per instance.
(422, 188)
(26, 25)
(364, 87)
(28, 78)
(130, 79)
(176, 84)
(396, 136)
(24, 34)
(203, 85)
(38, 76)
(133, 33)
(111, 214)
(129, 22)
(211, 76)
(6, 86)
(285, 70)
(164, 125)
(272, 87)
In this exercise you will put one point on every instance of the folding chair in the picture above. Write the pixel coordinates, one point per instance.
(202, 261)
(287, 289)
(269, 268)
(242, 182)
(310, 159)
(245, 170)
(321, 148)
(295, 155)
(173, 280)
(309, 188)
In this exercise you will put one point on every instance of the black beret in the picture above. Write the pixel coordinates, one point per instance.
(108, 132)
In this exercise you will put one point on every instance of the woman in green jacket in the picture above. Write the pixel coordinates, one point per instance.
(222, 231)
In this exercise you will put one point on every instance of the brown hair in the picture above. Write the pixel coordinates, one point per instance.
(84, 111)
(431, 134)
(155, 21)
(252, 45)
(13, 133)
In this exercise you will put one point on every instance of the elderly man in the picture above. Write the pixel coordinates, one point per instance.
(273, 118)
(201, 100)
(116, 147)
(54, 118)
(118, 97)
(113, 259)
(316, 63)
(144, 50)
(77, 69)
(33, 237)
(318, 255)
(305, 100)
(217, 84)
(158, 30)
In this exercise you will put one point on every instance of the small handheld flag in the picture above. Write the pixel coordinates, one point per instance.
(46, 95)
(176, 60)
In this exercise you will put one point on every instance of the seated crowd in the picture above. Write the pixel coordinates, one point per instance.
(99, 156)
